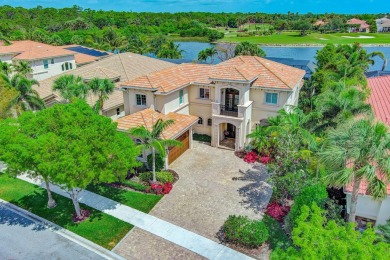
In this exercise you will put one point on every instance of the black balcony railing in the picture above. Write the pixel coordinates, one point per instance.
(229, 111)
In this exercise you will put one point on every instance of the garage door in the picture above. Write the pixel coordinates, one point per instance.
(175, 152)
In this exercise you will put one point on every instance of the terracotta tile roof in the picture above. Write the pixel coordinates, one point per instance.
(127, 65)
(265, 73)
(363, 24)
(320, 23)
(363, 188)
(380, 97)
(148, 117)
(100, 72)
(31, 50)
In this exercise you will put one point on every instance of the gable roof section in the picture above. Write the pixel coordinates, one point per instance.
(380, 98)
(123, 66)
(260, 71)
(31, 50)
(148, 117)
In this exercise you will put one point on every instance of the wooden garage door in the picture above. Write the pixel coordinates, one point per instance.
(175, 152)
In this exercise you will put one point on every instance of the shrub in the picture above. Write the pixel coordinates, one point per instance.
(162, 177)
(243, 231)
(277, 211)
(160, 162)
(202, 138)
(265, 159)
(135, 185)
(277, 237)
(251, 157)
(159, 188)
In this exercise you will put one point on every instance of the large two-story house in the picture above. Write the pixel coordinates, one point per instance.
(225, 101)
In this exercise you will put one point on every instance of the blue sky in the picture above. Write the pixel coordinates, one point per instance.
(268, 6)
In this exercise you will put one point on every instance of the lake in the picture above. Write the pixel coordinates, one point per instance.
(191, 50)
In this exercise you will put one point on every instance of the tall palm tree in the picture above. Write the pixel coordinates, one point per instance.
(152, 140)
(170, 50)
(102, 88)
(358, 151)
(27, 98)
(23, 68)
(71, 87)
(208, 53)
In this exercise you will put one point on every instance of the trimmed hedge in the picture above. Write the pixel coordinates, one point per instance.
(202, 138)
(162, 177)
(245, 232)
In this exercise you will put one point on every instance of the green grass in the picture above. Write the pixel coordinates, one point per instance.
(100, 228)
(313, 38)
(137, 200)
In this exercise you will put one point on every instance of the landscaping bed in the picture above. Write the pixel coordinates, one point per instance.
(99, 227)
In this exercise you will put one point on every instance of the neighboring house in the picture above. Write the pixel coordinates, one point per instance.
(320, 23)
(117, 67)
(305, 65)
(358, 25)
(368, 209)
(383, 24)
(227, 100)
(45, 60)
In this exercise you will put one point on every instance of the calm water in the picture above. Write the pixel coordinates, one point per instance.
(191, 50)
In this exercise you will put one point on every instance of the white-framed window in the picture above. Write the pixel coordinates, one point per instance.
(45, 64)
(209, 122)
(140, 99)
(271, 98)
(138, 142)
(204, 93)
(181, 97)
(200, 121)
(52, 61)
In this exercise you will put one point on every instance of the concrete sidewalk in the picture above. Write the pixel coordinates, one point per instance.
(175, 234)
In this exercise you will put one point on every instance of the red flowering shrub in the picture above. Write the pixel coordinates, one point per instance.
(251, 157)
(265, 159)
(277, 211)
(159, 188)
(167, 188)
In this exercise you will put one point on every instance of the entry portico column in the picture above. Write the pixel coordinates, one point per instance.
(238, 138)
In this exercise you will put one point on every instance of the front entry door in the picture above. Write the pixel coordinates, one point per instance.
(231, 131)
(232, 99)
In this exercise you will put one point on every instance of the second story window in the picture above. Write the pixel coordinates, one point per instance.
(45, 64)
(52, 61)
(204, 93)
(181, 97)
(271, 98)
(66, 66)
(209, 122)
(140, 100)
(118, 111)
(200, 121)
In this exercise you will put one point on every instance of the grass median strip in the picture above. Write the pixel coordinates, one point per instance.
(99, 228)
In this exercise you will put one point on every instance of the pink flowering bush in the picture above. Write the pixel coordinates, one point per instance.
(159, 188)
(277, 211)
(251, 157)
(265, 159)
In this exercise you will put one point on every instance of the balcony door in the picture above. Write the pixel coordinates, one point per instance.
(232, 99)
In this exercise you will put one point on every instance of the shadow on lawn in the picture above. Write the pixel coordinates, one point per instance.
(258, 192)
(60, 215)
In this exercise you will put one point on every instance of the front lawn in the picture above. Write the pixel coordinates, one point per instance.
(137, 200)
(100, 228)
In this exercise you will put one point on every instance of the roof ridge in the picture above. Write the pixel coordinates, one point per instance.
(235, 67)
(257, 58)
(123, 66)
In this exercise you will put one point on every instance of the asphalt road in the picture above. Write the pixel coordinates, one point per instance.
(22, 238)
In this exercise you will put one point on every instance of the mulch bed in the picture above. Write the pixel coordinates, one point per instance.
(84, 215)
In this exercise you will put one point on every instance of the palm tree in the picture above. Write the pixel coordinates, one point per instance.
(5, 68)
(27, 98)
(208, 53)
(358, 151)
(102, 88)
(23, 68)
(151, 140)
(71, 87)
(170, 50)
(247, 48)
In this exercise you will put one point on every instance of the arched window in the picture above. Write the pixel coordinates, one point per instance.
(209, 122)
(66, 66)
(200, 121)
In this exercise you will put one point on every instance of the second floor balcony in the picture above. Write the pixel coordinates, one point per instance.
(229, 110)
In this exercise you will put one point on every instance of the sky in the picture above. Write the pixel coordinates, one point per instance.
(266, 6)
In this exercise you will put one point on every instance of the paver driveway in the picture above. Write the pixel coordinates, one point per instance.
(213, 184)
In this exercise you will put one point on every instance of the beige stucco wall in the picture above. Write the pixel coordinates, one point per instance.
(112, 113)
(171, 102)
(130, 103)
(367, 207)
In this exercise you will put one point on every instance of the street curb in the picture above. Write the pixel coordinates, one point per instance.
(64, 232)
